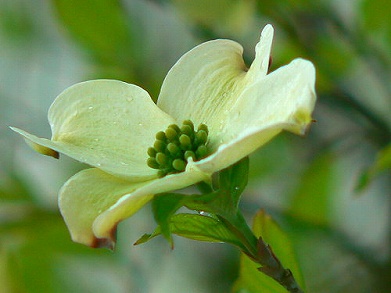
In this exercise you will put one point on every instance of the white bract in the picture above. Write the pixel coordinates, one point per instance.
(110, 125)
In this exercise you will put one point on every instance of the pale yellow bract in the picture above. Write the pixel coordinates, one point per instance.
(110, 124)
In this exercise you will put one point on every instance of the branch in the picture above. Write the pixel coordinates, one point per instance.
(272, 267)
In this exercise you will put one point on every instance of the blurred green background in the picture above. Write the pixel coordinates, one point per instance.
(329, 191)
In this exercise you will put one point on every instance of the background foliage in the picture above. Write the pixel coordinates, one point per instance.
(330, 191)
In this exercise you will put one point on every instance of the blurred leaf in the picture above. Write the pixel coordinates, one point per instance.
(101, 26)
(7, 285)
(224, 16)
(161, 36)
(27, 240)
(288, 13)
(294, 6)
(329, 262)
(312, 197)
(273, 158)
(250, 279)
(337, 55)
(377, 18)
(31, 239)
(382, 164)
(32, 242)
(16, 22)
(12, 188)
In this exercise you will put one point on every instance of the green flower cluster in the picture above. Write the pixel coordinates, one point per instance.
(173, 147)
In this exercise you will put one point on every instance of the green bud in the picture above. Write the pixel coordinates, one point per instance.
(179, 165)
(159, 146)
(171, 133)
(201, 137)
(189, 123)
(161, 136)
(203, 127)
(151, 152)
(173, 149)
(151, 162)
(185, 141)
(175, 127)
(201, 152)
(161, 159)
(186, 129)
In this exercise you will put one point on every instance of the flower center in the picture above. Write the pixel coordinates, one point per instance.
(173, 147)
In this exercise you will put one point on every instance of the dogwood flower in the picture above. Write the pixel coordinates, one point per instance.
(211, 112)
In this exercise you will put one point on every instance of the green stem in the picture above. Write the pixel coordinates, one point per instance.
(261, 253)
(238, 226)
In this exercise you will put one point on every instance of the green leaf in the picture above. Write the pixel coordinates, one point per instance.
(225, 16)
(225, 200)
(13, 188)
(164, 207)
(203, 202)
(234, 180)
(376, 17)
(18, 24)
(381, 165)
(146, 237)
(197, 227)
(32, 242)
(99, 25)
(312, 197)
(250, 279)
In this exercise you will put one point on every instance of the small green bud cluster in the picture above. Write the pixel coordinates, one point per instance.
(173, 147)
